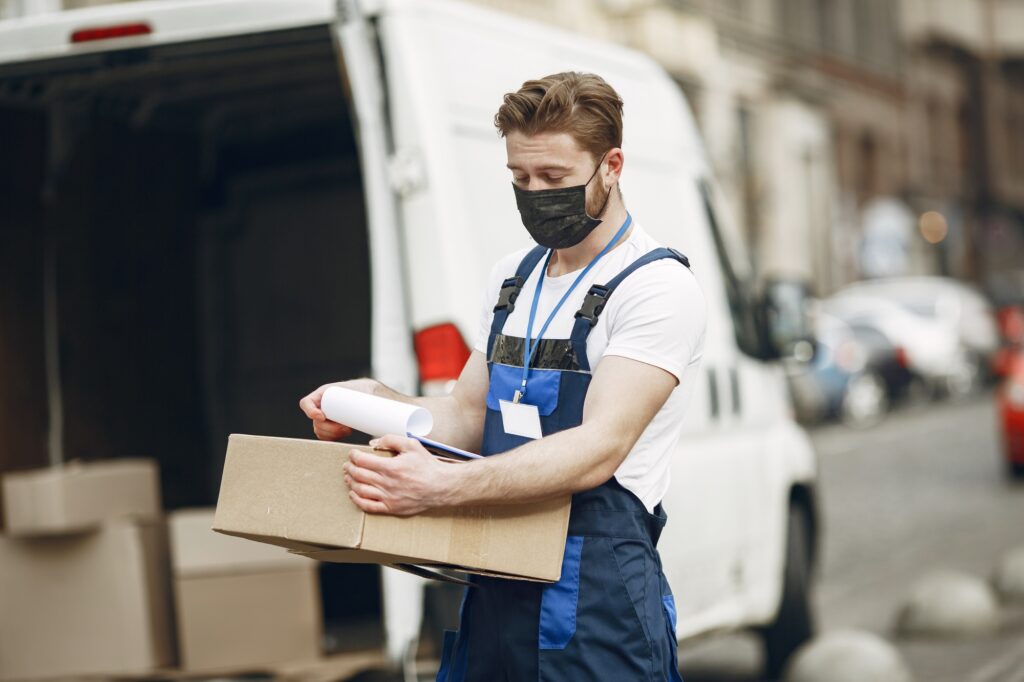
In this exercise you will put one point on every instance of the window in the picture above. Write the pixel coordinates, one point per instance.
(737, 273)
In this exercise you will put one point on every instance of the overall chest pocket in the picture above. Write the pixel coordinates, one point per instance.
(542, 387)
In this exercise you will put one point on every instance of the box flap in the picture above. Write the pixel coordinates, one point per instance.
(197, 550)
(287, 488)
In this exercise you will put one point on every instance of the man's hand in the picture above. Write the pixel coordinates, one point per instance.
(324, 428)
(409, 483)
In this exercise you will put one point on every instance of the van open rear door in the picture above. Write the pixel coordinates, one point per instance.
(391, 336)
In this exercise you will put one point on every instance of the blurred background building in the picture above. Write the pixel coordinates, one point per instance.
(852, 138)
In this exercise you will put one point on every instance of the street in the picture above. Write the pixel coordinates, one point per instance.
(924, 490)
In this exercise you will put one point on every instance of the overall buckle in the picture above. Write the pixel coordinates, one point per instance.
(682, 258)
(509, 293)
(593, 303)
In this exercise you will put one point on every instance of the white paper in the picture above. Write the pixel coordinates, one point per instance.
(520, 419)
(375, 415)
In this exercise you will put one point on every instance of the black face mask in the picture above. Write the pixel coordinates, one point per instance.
(557, 218)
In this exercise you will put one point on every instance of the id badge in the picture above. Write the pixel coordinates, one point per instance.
(520, 419)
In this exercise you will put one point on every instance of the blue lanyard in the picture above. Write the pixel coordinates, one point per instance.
(529, 347)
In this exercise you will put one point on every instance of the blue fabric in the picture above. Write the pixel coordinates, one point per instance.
(670, 609)
(526, 267)
(531, 344)
(581, 328)
(670, 616)
(558, 602)
(544, 384)
(446, 655)
(607, 617)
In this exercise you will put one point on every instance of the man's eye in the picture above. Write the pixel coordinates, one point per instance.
(521, 180)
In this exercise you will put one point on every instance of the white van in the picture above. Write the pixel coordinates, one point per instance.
(216, 205)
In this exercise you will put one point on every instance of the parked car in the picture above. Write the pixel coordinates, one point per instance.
(887, 360)
(932, 347)
(943, 299)
(1011, 329)
(841, 381)
(1010, 399)
(253, 198)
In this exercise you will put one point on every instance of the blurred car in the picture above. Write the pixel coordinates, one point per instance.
(1010, 399)
(931, 348)
(942, 299)
(841, 381)
(886, 360)
(1011, 328)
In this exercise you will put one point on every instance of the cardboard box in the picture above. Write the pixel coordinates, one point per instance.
(88, 604)
(292, 493)
(240, 605)
(79, 496)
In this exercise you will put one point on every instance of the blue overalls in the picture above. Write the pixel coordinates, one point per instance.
(611, 616)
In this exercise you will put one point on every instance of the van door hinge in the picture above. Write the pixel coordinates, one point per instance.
(406, 172)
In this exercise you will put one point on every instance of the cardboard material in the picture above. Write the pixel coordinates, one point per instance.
(240, 605)
(88, 604)
(196, 550)
(79, 496)
(292, 493)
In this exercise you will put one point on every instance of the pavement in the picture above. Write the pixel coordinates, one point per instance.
(923, 490)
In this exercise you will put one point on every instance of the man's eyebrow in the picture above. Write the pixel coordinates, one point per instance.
(548, 167)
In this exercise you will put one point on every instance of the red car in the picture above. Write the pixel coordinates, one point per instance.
(1011, 409)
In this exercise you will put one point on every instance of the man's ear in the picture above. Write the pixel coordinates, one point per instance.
(613, 161)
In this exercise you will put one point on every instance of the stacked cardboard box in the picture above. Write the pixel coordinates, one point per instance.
(240, 605)
(84, 580)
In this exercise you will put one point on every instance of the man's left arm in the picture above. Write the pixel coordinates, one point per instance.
(656, 326)
(623, 397)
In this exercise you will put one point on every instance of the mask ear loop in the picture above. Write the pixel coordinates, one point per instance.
(606, 196)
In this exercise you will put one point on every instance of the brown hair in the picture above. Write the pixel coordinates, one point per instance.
(581, 104)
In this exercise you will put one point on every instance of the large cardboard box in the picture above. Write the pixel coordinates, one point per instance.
(240, 605)
(79, 496)
(292, 493)
(94, 603)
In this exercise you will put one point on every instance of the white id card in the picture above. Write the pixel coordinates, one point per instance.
(520, 419)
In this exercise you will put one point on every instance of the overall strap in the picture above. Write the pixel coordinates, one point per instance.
(510, 292)
(598, 295)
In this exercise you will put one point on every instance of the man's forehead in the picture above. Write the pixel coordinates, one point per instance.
(544, 151)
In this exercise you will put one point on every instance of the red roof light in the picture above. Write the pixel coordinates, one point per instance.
(84, 35)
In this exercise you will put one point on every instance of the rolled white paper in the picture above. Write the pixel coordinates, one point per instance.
(375, 415)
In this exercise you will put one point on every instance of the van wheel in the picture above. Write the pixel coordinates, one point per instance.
(794, 623)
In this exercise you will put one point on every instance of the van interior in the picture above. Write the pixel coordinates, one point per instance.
(184, 227)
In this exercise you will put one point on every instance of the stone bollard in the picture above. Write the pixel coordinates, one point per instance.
(847, 656)
(949, 604)
(1008, 578)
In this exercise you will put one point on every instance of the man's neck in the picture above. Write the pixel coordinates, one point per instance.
(577, 257)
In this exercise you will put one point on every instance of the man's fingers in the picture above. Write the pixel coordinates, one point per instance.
(394, 442)
(328, 430)
(366, 491)
(364, 475)
(368, 505)
(311, 403)
(368, 461)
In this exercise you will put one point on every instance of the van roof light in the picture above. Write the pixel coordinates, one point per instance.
(84, 35)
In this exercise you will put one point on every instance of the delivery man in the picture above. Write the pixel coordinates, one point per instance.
(585, 358)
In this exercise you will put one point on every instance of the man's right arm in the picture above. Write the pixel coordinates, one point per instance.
(458, 417)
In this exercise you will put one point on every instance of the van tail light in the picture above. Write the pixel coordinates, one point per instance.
(441, 353)
(901, 357)
(85, 35)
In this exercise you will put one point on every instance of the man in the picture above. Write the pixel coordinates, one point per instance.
(596, 415)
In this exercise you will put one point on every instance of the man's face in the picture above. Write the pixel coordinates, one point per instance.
(554, 160)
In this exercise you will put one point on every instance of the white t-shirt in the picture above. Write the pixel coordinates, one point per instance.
(656, 315)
